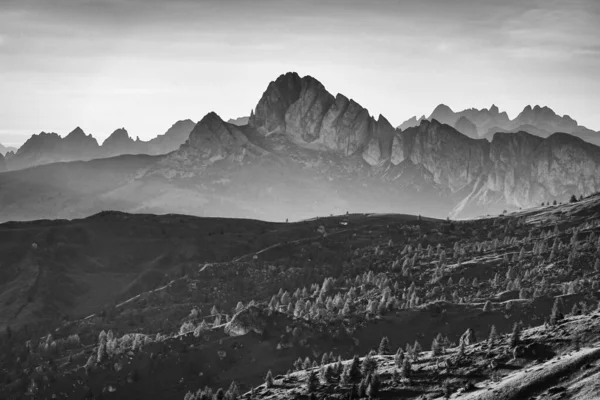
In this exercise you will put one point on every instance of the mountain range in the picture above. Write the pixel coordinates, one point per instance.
(484, 123)
(46, 148)
(6, 149)
(306, 152)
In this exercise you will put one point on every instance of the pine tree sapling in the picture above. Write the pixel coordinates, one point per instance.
(515, 337)
(369, 365)
(312, 382)
(384, 346)
(406, 368)
(556, 314)
(269, 380)
(493, 336)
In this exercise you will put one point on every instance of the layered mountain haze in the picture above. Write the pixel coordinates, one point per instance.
(6, 149)
(46, 148)
(306, 152)
(484, 123)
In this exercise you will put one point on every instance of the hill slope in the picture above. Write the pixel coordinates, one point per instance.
(247, 297)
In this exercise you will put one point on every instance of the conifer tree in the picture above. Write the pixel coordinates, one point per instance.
(352, 372)
(312, 382)
(436, 348)
(269, 380)
(515, 337)
(384, 346)
(406, 368)
(399, 357)
(373, 388)
(369, 365)
(461, 350)
(493, 336)
(556, 314)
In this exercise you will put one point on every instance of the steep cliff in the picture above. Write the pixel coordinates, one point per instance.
(304, 111)
(514, 170)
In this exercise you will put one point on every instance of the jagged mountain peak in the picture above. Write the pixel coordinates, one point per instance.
(119, 141)
(120, 132)
(211, 117)
(444, 114)
(77, 132)
(442, 108)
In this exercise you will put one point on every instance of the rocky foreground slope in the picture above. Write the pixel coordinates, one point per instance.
(308, 295)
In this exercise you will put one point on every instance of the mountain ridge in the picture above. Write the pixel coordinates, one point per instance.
(305, 152)
(45, 148)
(538, 120)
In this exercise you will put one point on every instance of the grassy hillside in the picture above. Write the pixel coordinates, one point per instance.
(160, 306)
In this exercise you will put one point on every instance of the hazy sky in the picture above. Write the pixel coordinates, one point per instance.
(143, 64)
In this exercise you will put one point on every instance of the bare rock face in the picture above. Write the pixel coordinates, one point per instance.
(303, 110)
(213, 139)
(304, 117)
(269, 116)
(526, 170)
(510, 174)
(516, 170)
(250, 319)
(454, 159)
(346, 126)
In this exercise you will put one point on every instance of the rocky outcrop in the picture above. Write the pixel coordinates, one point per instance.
(304, 117)
(250, 319)
(213, 140)
(269, 116)
(346, 127)
(305, 112)
(454, 159)
(526, 170)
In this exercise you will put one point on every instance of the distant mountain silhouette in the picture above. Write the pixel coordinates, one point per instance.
(46, 148)
(539, 121)
(6, 149)
(241, 121)
(306, 152)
